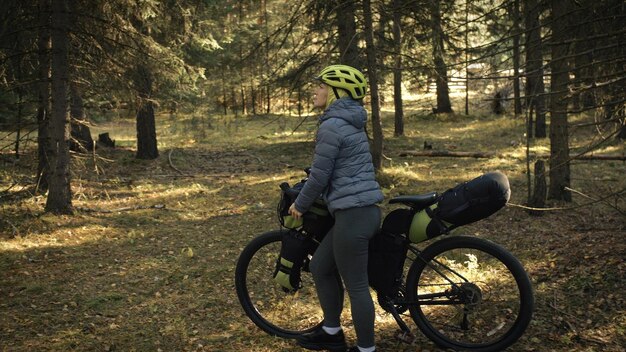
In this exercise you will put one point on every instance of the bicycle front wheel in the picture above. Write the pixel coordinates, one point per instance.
(471, 294)
(277, 312)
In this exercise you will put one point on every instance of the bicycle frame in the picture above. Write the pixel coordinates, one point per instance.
(446, 285)
(425, 278)
(424, 299)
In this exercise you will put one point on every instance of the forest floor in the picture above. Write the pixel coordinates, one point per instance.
(147, 261)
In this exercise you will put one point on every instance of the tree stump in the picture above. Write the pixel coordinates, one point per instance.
(81, 141)
(105, 140)
(497, 105)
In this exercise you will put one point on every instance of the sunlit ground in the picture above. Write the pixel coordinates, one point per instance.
(147, 262)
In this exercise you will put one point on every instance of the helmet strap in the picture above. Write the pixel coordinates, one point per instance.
(336, 93)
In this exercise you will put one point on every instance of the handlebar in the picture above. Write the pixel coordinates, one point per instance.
(288, 190)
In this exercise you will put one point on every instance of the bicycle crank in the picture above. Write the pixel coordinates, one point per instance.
(405, 336)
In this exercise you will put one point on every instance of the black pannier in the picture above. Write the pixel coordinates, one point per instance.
(387, 252)
(301, 238)
(294, 251)
(466, 203)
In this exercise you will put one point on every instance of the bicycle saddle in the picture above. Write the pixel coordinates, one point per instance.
(419, 201)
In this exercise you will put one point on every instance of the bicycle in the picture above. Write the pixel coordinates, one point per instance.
(462, 292)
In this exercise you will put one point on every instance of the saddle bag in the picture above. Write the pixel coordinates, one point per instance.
(466, 203)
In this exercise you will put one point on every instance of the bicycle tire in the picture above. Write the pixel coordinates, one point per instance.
(275, 311)
(498, 298)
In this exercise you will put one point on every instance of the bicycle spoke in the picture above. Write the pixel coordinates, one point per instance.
(278, 312)
(466, 296)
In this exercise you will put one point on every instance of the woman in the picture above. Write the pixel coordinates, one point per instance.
(343, 173)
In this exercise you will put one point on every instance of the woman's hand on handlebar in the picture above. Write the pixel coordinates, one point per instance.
(294, 212)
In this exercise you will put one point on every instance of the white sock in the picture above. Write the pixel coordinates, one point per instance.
(332, 331)
(367, 349)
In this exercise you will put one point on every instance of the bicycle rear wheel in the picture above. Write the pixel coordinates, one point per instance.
(471, 294)
(277, 312)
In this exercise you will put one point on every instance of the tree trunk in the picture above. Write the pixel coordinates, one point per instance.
(559, 139)
(241, 68)
(253, 97)
(467, 48)
(59, 193)
(16, 55)
(538, 199)
(81, 135)
(397, 72)
(441, 71)
(234, 97)
(299, 103)
(583, 69)
(18, 132)
(224, 97)
(534, 69)
(146, 126)
(146, 132)
(516, 59)
(244, 110)
(348, 40)
(377, 148)
(43, 92)
(20, 109)
(267, 58)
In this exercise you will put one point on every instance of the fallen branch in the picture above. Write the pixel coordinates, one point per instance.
(199, 176)
(169, 158)
(139, 207)
(254, 156)
(599, 157)
(487, 155)
(8, 189)
(446, 153)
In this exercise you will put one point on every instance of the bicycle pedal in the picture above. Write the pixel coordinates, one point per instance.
(405, 336)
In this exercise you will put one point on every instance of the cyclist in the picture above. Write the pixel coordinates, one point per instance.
(342, 171)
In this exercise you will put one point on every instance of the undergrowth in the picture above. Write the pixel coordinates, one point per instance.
(146, 263)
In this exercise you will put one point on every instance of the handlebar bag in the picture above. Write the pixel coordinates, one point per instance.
(317, 221)
(466, 203)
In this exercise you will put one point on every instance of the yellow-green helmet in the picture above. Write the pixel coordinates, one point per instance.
(345, 77)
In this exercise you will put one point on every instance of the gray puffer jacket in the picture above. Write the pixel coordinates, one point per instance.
(342, 170)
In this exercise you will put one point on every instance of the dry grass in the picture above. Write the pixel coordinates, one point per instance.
(162, 278)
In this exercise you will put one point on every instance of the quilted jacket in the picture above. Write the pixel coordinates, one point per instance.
(342, 170)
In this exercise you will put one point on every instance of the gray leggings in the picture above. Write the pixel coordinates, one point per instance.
(344, 250)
